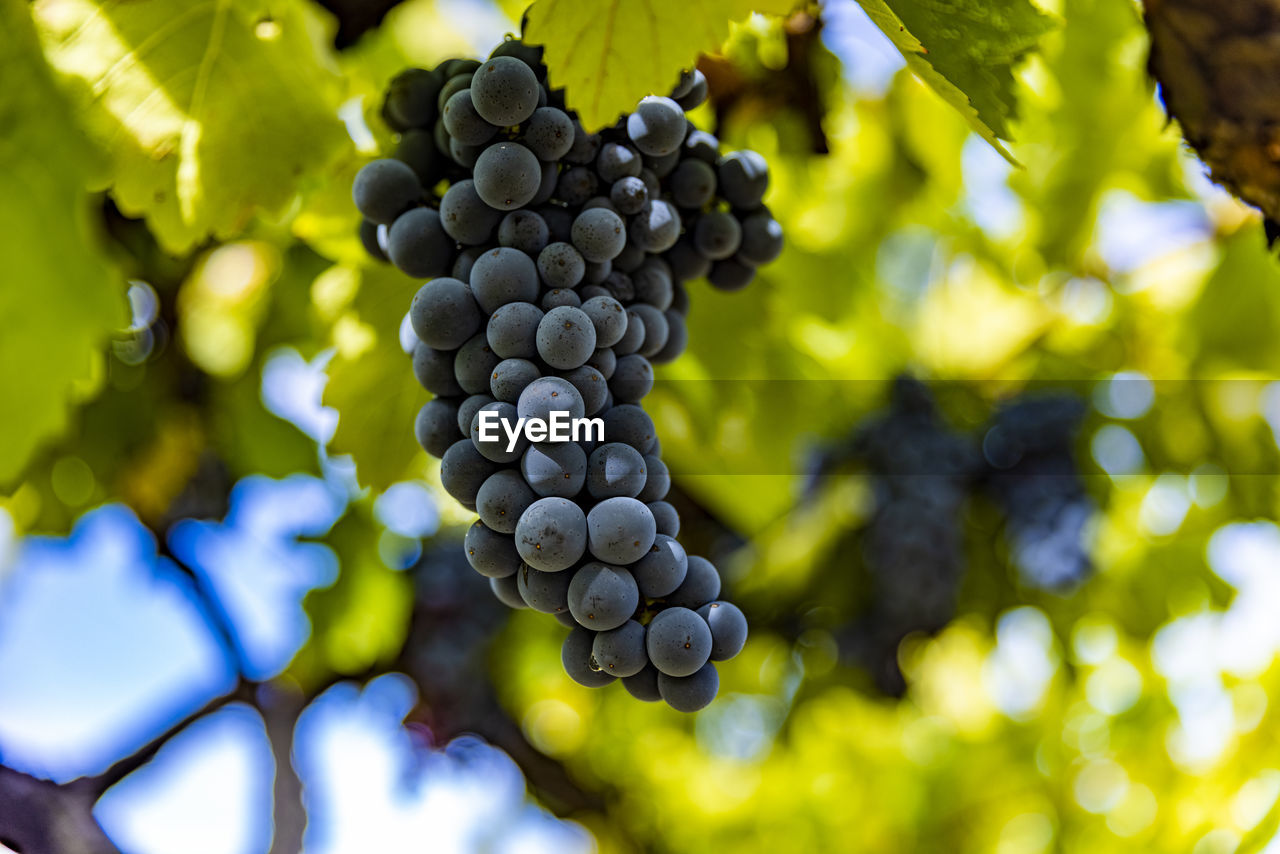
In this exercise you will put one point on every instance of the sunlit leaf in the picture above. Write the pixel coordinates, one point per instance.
(211, 110)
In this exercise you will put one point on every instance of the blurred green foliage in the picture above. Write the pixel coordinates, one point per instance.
(1035, 722)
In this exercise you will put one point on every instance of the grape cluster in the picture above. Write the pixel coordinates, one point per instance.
(1030, 451)
(923, 473)
(557, 261)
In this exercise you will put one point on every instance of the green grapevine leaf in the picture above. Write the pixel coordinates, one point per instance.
(211, 110)
(371, 382)
(966, 51)
(609, 55)
(61, 299)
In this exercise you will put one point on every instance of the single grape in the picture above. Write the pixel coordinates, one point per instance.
(561, 266)
(693, 183)
(686, 262)
(451, 87)
(474, 364)
(651, 182)
(513, 330)
(658, 482)
(552, 534)
(597, 272)
(575, 655)
(678, 641)
(549, 133)
(465, 216)
(615, 469)
(602, 597)
(697, 92)
(599, 234)
(665, 517)
(463, 121)
(730, 275)
(566, 338)
(662, 165)
(505, 91)
(444, 314)
(463, 470)
(630, 258)
(530, 55)
(558, 297)
(600, 202)
(507, 176)
(662, 569)
(507, 591)
(524, 230)
(510, 377)
(717, 235)
(417, 149)
(501, 500)
(458, 65)
(591, 384)
(608, 318)
(657, 227)
(604, 361)
(501, 276)
(620, 651)
(617, 160)
(566, 619)
(384, 189)
(628, 195)
(434, 370)
(549, 176)
(411, 99)
(629, 424)
(679, 298)
(496, 446)
(632, 336)
(657, 126)
(701, 585)
(619, 286)
(644, 685)
(684, 83)
(744, 178)
(632, 380)
(677, 338)
(550, 394)
(547, 592)
(557, 470)
(690, 693)
(467, 411)
(369, 239)
(436, 426)
(620, 530)
(655, 328)
(652, 283)
(465, 260)
(585, 148)
(728, 629)
(491, 553)
(761, 239)
(464, 155)
(574, 186)
(700, 145)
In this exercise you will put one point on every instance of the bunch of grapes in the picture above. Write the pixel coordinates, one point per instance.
(557, 262)
(1030, 452)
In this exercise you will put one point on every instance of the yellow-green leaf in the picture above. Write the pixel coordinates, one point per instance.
(966, 51)
(608, 55)
(211, 109)
(60, 298)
